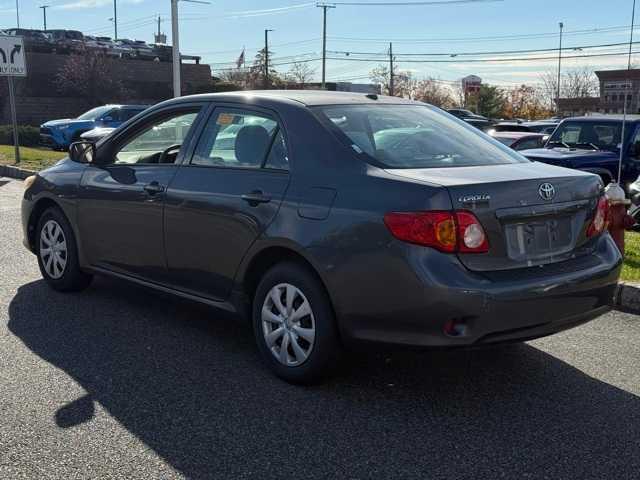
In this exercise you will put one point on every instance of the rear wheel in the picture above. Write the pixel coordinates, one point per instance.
(294, 324)
(57, 253)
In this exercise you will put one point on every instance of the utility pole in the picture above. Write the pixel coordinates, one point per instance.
(44, 14)
(115, 20)
(391, 75)
(324, 7)
(266, 58)
(559, 66)
(176, 48)
(17, 15)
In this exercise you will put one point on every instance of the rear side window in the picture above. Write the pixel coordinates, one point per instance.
(241, 139)
(414, 136)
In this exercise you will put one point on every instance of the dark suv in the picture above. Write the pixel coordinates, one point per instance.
(329, 219)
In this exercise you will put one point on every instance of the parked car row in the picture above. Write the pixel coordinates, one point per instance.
(73, 41)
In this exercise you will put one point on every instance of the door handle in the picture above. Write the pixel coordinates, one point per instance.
(153, 188)
(256, 197)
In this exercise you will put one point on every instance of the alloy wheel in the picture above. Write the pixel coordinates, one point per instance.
(53, 249)
(288, 324)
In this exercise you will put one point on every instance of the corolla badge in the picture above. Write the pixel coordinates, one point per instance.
(478, 198)
(547, 191)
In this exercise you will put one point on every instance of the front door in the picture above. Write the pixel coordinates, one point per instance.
(121, 199)
(223, 198)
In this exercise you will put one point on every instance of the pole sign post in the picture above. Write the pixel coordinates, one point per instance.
(13, 64)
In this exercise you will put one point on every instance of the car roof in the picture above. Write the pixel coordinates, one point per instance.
(541, 122)
(305, 97)
(601, 117)
(126, 106)
(517, 135)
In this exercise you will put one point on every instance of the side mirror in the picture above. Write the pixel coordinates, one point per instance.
(82, 152)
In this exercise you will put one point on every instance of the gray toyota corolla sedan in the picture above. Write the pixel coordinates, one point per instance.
(329, 219)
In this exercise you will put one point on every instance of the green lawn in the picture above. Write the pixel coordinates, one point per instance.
(631, 268)
(31, 158)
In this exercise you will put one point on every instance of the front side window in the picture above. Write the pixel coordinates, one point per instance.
(593, 135)
(414, 136)
(159, 142)
(235, 138)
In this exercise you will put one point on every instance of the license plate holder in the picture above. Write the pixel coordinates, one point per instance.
(539, 238)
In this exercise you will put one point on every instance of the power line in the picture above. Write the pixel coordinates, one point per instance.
(525, 36)
(483, 60)
(502, 52)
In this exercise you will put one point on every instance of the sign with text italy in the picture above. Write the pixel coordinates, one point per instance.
(12, 57)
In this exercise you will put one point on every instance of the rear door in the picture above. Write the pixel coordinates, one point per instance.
(224, 197)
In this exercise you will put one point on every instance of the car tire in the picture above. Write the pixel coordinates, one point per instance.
(57, 253)
(306, 321)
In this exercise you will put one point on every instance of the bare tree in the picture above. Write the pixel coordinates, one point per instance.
(574, 83)
(404, 84)
(433, 91)
(88, 76)
(237, 76)
(300, 72)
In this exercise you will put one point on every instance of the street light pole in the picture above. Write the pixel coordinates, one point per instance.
(559, 66)
(324, 7)
(176, 48)
(115, 20)
(266, 58)
(17, 15)
(44, 14)
(391, 75)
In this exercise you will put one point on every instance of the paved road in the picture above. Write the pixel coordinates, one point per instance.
(118, 382)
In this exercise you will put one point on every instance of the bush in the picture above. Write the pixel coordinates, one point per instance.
(29, 136)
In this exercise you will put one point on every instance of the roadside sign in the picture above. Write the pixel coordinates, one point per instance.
(13, 64)
(12, 57)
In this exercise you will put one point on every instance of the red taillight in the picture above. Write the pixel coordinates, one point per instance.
(599, 222)
(446, 231)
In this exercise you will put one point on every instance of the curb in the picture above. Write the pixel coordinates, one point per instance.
(15, 172)
(628, 297)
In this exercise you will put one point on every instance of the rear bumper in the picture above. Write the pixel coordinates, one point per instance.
(518, 305)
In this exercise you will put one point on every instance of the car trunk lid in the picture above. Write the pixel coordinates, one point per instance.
(532, 213)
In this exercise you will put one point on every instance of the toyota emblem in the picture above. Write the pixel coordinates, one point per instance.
(546, 191)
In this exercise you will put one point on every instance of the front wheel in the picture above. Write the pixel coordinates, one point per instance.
(57, 253)
(294, 324)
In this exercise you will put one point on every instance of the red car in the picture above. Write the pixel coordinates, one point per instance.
(521, 140)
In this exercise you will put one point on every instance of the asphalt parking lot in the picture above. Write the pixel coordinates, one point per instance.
(120, 382)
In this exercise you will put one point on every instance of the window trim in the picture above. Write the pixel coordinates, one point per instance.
(241, 108)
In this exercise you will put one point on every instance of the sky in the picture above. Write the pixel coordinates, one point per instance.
(466, 38)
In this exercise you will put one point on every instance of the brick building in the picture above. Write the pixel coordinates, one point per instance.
(615, 85)
(38, 98)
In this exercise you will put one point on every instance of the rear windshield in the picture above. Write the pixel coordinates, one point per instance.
(415, 136)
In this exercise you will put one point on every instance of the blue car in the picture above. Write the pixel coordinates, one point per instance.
(59, 134)
(592, 144)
